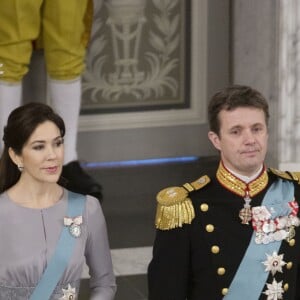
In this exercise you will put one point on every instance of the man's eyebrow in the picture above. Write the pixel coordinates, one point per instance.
(235, 127)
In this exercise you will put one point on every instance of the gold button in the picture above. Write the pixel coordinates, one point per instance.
(210, 228)
(224, 291)
(286, 287)
(221, 271)
(292, 242)
(204, 207)
(289, 265)
(215, 249)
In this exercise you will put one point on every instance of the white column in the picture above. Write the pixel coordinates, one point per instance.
(289, 85)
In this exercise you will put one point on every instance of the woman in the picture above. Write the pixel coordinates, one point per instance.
(62, 29)
(47, 232)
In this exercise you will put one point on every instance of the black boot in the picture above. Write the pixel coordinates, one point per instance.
(75, 179)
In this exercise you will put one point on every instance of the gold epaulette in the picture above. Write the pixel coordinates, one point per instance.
(174, 207)
(295, 176)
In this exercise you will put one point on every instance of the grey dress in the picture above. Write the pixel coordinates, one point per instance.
(28, 240)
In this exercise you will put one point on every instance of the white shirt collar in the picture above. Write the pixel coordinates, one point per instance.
(246, 178)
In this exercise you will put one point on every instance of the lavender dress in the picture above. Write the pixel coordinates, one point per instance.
(28, 240)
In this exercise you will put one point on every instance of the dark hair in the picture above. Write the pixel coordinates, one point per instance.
(21, 124)
(233, 97)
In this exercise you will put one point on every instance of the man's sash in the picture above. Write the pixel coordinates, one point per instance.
(251, 273)
(62, 254)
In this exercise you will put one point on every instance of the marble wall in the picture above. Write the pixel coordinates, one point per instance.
(177, 138)
(289, 85)
(255, 56)
(266, 55)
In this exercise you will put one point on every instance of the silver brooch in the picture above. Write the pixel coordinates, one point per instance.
(74, 225)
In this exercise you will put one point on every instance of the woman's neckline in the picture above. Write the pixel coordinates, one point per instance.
(17, 204)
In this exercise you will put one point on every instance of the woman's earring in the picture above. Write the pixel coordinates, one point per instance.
(20, 168)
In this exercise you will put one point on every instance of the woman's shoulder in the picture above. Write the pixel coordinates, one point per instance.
(3, 199)
(92, 203)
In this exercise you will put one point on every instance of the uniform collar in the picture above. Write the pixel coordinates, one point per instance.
(244, 178)
(238, 186)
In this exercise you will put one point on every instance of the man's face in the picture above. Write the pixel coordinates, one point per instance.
(242, 140)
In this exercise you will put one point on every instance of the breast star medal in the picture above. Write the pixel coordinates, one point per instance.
(274, 290)
(274, 263)
(68, 293)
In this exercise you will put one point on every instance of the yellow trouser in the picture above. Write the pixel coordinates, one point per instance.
(59, 24)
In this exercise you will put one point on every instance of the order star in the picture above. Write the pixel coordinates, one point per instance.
(274, 263)
(274, 291)
(69, 293)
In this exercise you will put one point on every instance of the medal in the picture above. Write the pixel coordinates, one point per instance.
(246, 213)
(274, 290)
(274, 223)
(69, 293)
(291, 234)
(73, 225)
(75, 230)
(243, 189)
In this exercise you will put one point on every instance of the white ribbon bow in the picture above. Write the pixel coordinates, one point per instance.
(70, 221)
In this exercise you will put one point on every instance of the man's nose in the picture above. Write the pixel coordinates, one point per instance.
(249, 137)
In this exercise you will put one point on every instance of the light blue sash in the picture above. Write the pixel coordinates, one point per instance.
(62, 254)
(251, 277)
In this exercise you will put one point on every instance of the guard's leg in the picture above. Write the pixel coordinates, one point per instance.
(64, 37)
(65, 99)
(64, 44)
(20, 25)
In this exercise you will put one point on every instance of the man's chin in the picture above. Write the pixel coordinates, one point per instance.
(252, 167)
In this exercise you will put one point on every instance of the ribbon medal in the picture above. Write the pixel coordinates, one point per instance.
(275, 223)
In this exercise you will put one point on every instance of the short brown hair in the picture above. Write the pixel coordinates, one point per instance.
(233, 97)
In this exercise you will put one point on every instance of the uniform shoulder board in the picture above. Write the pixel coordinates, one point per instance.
(295, 176)
(174, 207)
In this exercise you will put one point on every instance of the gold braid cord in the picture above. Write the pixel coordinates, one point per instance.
(174, 207)
(239, 187)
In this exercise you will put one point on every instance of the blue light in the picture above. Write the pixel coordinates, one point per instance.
(141, 162)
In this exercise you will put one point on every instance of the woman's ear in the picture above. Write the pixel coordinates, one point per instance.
(15, 158)
(215, 140)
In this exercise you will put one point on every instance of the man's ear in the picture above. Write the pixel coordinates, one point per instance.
(215, 140)
(15, 157)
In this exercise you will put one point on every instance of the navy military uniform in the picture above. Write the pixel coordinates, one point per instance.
(203, 236)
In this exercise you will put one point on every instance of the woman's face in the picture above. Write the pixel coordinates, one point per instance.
(43, 154)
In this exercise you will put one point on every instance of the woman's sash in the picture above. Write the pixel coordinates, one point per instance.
(62, 254)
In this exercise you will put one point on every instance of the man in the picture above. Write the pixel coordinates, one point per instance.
(61, 27)
(233, 234)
